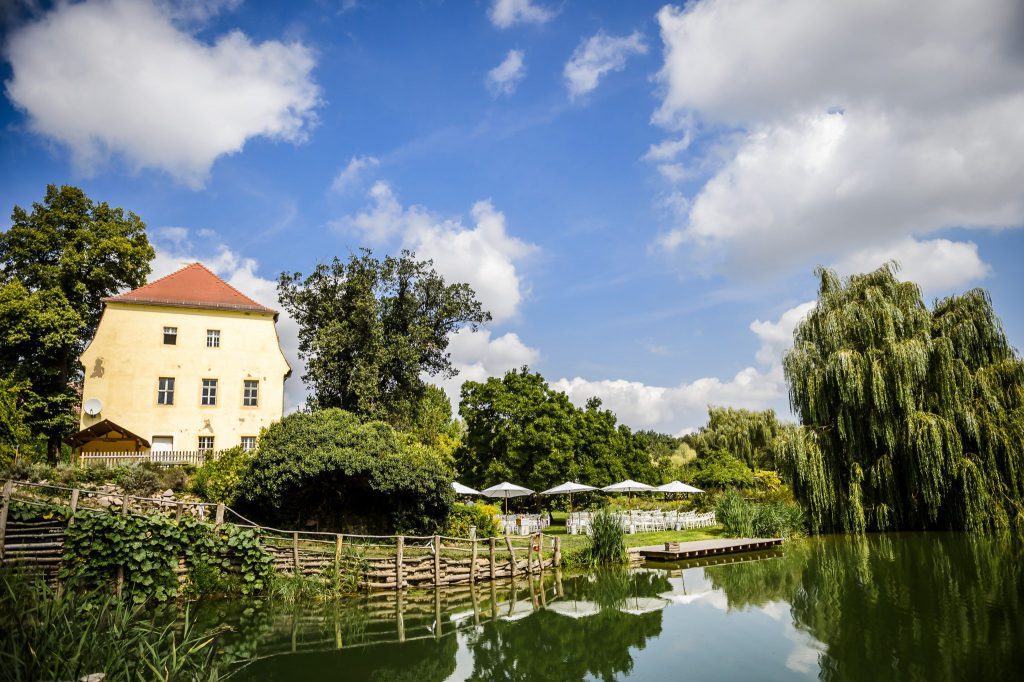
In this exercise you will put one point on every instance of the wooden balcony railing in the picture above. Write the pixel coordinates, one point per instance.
(165, 457)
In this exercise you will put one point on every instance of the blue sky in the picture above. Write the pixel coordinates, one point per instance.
(639, 191)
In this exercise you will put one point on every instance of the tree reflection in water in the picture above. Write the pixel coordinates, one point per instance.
(914, 606)
(551, 646)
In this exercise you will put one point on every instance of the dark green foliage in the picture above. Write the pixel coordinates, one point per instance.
(748, 435)
(913, 418)
(147, 549)
(14, 432)
(745, 519)
(75, 633)
(370, 329)
(217, 480)
(519, 429)
(331, 468)
(607, 539)
(57, 263)
(480, 515)
(717, 469)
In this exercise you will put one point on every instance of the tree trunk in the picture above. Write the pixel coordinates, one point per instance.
(53, 450)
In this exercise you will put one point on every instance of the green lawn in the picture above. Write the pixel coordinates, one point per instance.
(574, 542)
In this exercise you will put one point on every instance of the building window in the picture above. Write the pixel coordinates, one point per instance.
(250, 393)
(170, 336)
(248, 443)
(209, 392)
(165, 391)
(206, 443)
(213, 338)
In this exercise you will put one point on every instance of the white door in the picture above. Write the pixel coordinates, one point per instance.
(162, 443)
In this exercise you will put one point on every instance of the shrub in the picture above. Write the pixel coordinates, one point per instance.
(742, 518)
(719, 470)
(330, 469)
(217, 480)
(607, 539)
(482, 516)
(137, 480)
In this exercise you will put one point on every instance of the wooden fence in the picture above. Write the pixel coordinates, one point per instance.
(164, 457)
(377, 562)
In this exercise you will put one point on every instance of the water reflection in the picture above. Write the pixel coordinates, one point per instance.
(915, 606)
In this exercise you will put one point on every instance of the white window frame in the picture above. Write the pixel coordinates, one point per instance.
(208, 393)
(171, 332)
(213, 338)
(246, 397)
(165, 395)
(251, 444)
(206, 447)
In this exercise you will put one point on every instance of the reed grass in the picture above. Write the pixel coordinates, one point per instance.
(71, 634)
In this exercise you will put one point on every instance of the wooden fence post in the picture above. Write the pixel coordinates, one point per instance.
(558, 551)
(219, 518)
(295, 552)
(177, 512)
(512, 556)
(529, 554)
(491, 550)
(74, 507)
(337, 557)
(437, 560)
(540, 551)
(124, 504)
(8, 491)
(472, 565)
(399, 550)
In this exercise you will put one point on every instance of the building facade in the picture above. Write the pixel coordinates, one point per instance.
(181, 364)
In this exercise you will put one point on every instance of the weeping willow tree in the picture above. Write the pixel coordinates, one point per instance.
(748, 435)
(912, 418)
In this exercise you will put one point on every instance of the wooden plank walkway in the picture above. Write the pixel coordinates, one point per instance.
(704, 548)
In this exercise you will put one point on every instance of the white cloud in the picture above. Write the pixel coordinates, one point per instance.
(596, 56)
(196, 11)
(504, 78)
(852, 125)
(508, 13)
(777, 337)
(180, 249)
(683, 408)
(936, 265)
(117, 77)
(669, 149)
(483, 255)
(349, 175)
(478, 356)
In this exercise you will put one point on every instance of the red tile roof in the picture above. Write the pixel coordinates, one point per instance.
(194, 286)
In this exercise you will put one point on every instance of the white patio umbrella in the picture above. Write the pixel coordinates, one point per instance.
(677, 487)
(629, 487)
(506, 490)
(568, 488)
(464, 489)
(640, 605)
(575, 609)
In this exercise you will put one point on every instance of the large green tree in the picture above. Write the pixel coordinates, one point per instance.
(57, 263)
(746, 434)
(332, 468)
(520, 429)
(912, 418)
(369, 330)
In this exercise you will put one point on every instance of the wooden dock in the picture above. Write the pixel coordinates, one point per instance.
(705, 548)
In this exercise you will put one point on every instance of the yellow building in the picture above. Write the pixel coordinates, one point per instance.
(184, 363)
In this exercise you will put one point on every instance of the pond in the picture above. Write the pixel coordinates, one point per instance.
(901, 606)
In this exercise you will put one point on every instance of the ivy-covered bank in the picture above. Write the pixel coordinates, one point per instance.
(142, 556)
(151, 549)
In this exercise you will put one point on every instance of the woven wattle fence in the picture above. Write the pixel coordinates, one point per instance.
(376, 562)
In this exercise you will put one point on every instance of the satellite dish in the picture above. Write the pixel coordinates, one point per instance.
(93, 407)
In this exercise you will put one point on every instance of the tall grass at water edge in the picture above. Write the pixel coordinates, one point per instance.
(743, 518)
(607, 539)
(74, 633)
